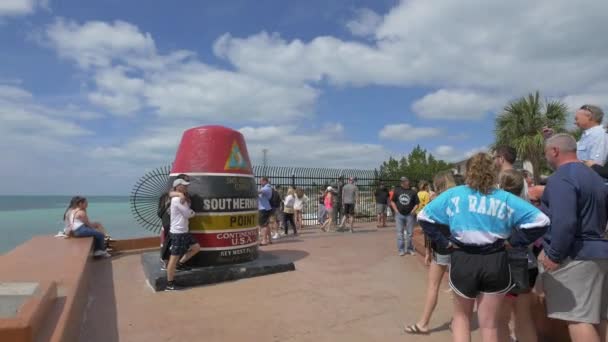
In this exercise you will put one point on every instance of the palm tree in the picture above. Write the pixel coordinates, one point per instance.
(520, 126)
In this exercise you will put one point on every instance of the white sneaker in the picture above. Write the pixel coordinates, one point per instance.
(275, 236)
(101, 254)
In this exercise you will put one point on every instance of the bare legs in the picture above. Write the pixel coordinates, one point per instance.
(436, 273)
(461, 322)
(172, 265)
(328, 224)
(525, 330)
(487, 312)
(584, 332)
(298, 220)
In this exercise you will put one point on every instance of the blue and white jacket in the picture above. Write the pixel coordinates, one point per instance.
(479, 220)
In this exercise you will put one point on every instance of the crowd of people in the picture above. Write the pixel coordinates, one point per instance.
(497, 235)
(500, 238)
(280, 211)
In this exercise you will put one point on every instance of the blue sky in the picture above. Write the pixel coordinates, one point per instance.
(94, 94)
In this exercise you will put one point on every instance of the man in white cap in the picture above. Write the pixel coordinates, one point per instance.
(182, 242)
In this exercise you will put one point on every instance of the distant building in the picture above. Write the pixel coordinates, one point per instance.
(460, 167)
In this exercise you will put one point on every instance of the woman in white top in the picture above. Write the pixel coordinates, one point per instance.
(77, 224)
(301, 200)
(288, 211)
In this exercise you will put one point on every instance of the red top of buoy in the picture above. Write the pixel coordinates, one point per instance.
(212, 149)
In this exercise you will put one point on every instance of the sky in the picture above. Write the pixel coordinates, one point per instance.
(94, 94)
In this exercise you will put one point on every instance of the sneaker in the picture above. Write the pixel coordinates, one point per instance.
(276, 236)
(172, 287)
(101, 254)
(411, 252)
(401, 253)
(182, 267)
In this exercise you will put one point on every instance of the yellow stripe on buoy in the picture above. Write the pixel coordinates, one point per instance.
(223, 222)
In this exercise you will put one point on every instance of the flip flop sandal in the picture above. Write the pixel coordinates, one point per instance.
(415, 330)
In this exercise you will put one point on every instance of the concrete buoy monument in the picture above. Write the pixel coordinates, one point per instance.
(224, 197)
(223, 192)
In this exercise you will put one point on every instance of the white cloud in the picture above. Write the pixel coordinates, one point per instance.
(447, 45)
(333, 128)
(365, 23)
(317, 149)
(97, 43)
(20, 7)
(24, 120)
(130, 75)
(266, 133)
(475, 150)
(456, 104)
(443, 151)
(407, 132)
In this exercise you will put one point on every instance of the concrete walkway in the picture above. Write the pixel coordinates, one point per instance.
(346, 287)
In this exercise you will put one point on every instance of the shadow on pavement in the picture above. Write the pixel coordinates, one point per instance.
(100, 322)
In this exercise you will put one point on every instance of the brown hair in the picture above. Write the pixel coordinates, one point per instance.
(74, 202)
(443, 181)
(299, 192)
(511, 181)
(423, 186)
(481, 173)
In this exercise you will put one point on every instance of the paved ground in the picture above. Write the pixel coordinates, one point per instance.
(347, 287)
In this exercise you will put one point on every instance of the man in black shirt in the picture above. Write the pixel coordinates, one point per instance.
(404, 203)
(381, 195)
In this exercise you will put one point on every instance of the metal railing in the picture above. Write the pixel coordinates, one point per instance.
(315, 180)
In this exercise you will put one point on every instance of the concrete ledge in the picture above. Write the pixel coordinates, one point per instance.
(29, 316)
(136, 244)
(267, 263)
(48, 260)
(548, 329)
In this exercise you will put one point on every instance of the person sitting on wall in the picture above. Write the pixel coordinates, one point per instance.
(183, 246)
(77, 224)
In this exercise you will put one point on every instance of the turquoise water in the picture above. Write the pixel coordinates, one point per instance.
(22, 217)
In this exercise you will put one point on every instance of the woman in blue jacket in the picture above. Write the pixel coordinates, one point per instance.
(481, 218)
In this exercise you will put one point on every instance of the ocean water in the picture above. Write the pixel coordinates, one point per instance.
(22, 217)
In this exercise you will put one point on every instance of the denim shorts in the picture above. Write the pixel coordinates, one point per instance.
(441, 259)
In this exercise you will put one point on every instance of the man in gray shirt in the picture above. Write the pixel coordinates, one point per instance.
(349, 198)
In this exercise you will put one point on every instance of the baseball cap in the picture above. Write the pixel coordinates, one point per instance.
(180, 182)
(403, 179)
(329, 188)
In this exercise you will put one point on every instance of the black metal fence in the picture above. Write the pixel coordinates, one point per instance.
(315, 180)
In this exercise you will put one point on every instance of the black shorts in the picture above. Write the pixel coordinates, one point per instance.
(180, 243)
(349, 209)
(264, 217)
(474, 274)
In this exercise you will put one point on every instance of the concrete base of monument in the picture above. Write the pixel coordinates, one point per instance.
(266, 263)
